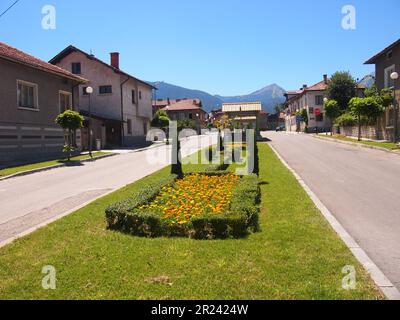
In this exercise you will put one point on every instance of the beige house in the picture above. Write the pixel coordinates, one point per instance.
(182, 109)
(121, 104)
(32, 94)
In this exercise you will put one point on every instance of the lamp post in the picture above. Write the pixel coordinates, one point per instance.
(89, 91)
(325, 101)
(198, 123)
(395, 76)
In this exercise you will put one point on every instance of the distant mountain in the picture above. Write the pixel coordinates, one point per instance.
(166, 90)
(269, 96)
(368, 80)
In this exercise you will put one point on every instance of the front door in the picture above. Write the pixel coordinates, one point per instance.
(113, 134)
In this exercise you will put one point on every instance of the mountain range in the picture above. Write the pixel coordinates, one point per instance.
(269, 96)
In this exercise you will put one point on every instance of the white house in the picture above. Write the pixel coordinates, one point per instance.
(309, 98)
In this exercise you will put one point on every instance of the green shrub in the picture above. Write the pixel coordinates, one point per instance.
(237, 222)
(346, 120)
(116, 213)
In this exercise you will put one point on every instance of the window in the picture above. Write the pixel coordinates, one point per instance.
(311, 110)
(105, 89)
(133, 96)
(319, 100)
(27, 94)
(76, 68)
(320, 118)
(65, 101)
(140, 95)
(129, 125)
(84, 91)
(190, 116)
(388, 71)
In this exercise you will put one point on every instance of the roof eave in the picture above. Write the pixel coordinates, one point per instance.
(77, 79)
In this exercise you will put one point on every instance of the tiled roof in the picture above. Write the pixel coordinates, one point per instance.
(71, 48)
(180, 105)
(166, 102)
(375, 57)
(238, 107)
(15, 55)
(320, 86)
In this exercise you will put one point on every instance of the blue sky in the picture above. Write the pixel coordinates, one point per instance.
(226, 47)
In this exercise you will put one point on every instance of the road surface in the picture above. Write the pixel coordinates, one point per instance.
(360, 186)
(31, 200)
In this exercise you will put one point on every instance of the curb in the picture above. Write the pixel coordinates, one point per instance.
(28, 172)
(382, 282)
(53, 219)
(356, 144)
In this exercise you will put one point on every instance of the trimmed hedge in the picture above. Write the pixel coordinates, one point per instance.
(241, 218)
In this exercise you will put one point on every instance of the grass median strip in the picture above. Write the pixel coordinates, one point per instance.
(386, 145)
(39, 165)
(295, 256)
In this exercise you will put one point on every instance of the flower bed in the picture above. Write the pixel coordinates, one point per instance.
(202, 206)
(193, 196)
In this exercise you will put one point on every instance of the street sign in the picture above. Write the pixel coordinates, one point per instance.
(299, 119)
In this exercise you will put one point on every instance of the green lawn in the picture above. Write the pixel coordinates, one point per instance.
(295, 256)
(386, 145)
(44, 164)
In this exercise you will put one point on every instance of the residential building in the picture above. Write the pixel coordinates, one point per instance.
(310, 98)
(387, 62)
(120, 106)
(182, 109)
(32, 94)
(247, 114)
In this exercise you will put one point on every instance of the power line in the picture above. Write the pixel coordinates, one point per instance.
(4, 12)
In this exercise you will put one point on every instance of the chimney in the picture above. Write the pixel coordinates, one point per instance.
(168, 101)
(115, 59)
(325, 78)
(304, 86)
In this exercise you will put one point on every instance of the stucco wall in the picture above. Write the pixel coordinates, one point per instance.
(29, 134)
(107, 105)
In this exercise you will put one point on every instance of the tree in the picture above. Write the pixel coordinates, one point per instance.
(342, 88)
(224, 123)
(161, 120)
(332, 111)
(280, 107)
(176, 158)
(304, 114)
(369, 108)
(70, 121)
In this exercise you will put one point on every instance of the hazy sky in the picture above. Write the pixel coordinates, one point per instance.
(225, 47)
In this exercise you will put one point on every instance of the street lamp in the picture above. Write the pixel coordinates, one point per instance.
(89, 91)
(395, 76)
(198, 123)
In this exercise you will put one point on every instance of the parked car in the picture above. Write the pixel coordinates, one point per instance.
(280, 128)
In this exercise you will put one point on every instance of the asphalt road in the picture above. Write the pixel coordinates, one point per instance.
(361, 187)
(31, 200)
